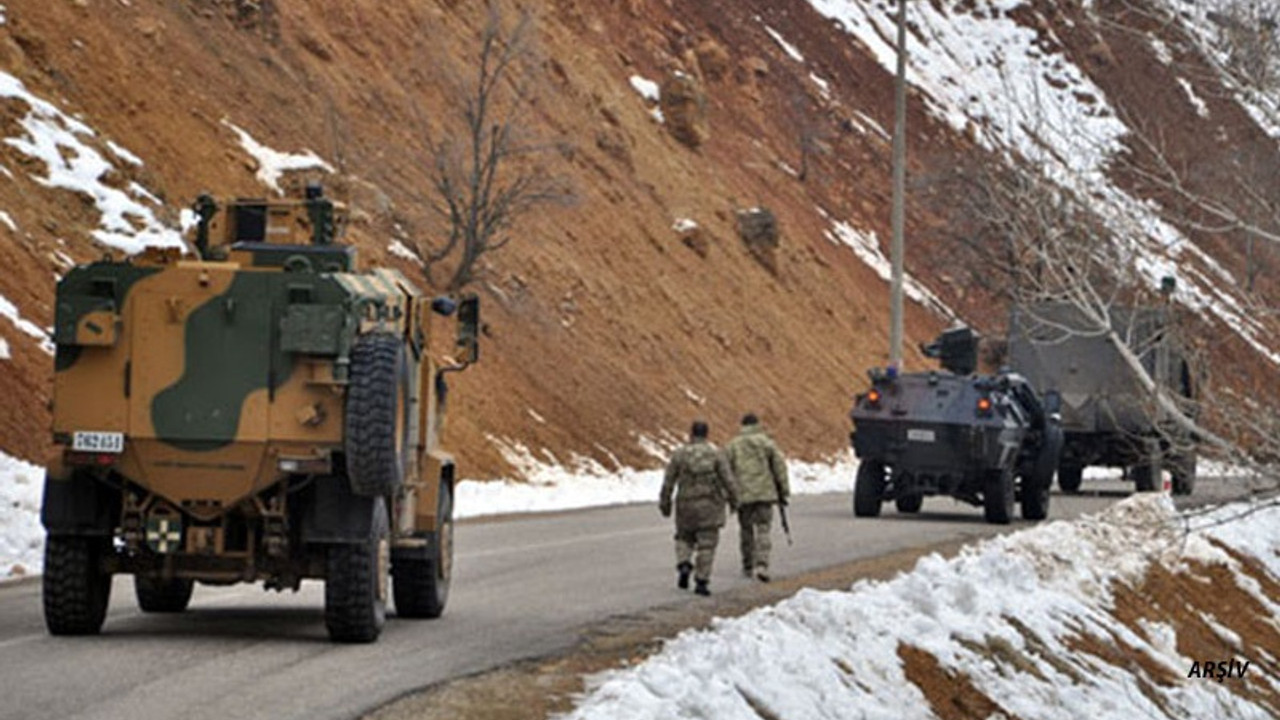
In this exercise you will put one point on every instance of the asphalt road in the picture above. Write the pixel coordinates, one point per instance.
(523, 587)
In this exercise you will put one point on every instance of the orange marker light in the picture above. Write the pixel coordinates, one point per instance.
(873, 397)
(984, 405)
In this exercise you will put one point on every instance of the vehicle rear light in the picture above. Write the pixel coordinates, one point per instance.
(984, 406)
(72, 457)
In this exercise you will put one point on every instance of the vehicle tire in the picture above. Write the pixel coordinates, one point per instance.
(909, 503)
(998, 497)
(1070, 477)
(76, 590)
(1143, 479)
(376, 438)
(355, 586)
(158, 595)
(1184, 474)
(868, 489)
(421, 587)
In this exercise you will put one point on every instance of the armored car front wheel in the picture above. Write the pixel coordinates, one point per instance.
(998, 496)
(76, 589)
(868, 489)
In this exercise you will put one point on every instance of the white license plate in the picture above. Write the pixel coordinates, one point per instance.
(918, 435)
(103, 442)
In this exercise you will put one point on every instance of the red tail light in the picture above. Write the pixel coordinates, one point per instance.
(984, 406)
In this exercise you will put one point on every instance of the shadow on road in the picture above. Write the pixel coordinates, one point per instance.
(261, 623)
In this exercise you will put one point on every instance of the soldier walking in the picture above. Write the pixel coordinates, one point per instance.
(703, 483)
(762, 481)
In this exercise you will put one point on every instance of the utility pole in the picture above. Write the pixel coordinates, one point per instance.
(899, 192)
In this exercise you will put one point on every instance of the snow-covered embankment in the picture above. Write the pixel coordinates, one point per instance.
(1110, 616)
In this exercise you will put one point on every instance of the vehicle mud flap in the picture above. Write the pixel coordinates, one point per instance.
(1037, 484)
(79, 505)
(1070, 476)
(1143, 478)
(421, 575)
(334, 514)
(998, 496)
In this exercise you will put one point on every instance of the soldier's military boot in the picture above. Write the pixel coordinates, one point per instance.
(684, 569)
(702, 588)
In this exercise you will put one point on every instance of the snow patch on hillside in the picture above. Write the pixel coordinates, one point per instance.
(982, 72)
(273, 164)
(9, 311)
(787, 47)
(836, 654)
(866, 245)
(1263, 107)
(59, 141)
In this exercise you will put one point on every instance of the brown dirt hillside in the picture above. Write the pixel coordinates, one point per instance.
(603, 325)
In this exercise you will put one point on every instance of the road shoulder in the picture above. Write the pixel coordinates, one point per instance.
(541, 687)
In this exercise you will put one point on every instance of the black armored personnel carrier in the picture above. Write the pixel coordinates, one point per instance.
(985, 440)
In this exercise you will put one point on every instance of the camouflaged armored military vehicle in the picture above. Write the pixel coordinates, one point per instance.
(984, 440)
(263, 412)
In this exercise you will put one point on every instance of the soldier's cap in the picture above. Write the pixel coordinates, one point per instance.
(699, 429)
(750, 419)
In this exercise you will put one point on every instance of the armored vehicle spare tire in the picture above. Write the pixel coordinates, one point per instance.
(998, 496)
(868, 489)
(76, 590)
(421, 586)
(158, 595)
(377, 415)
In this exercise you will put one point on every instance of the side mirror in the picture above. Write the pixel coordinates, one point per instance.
(468, 342)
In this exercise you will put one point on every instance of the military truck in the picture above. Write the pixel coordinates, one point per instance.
(987, 440)
(1107, 417)
(265, 411)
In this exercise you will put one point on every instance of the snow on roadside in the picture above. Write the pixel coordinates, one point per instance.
(272, 164)
(56, 139)
(21, 537)
(837, 654)
(550, 484)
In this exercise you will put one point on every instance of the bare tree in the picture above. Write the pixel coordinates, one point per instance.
(811, 136)
(487, 172)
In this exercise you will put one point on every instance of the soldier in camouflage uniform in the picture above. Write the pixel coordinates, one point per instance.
(762, 481)
(701, 479)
